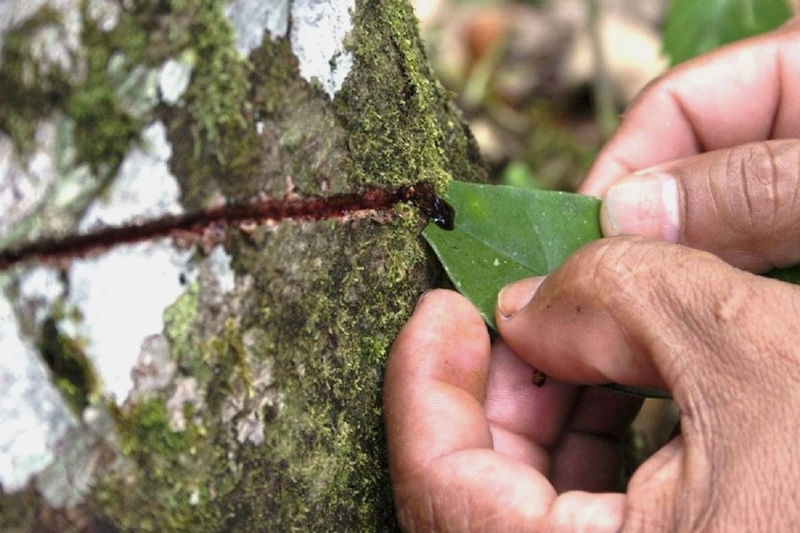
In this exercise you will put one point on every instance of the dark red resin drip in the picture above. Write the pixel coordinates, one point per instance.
(259, 211)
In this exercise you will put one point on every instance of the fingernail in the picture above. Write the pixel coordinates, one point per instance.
(514, 297)
(642, 204)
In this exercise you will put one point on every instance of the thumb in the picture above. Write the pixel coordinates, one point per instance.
(724, 342)
(739, 203)
(645, 313)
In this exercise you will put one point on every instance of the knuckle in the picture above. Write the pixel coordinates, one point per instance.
(414, 506)
(751, 185)
(411, 519)
(626, 270)
(617, 269)
(647, 519)
(658, 294)
(731, 305)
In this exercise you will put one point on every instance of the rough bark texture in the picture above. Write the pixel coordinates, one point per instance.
(256, 405)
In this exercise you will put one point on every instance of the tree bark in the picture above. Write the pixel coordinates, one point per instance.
(225, 377)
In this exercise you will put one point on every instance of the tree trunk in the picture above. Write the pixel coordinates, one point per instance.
(221, 374)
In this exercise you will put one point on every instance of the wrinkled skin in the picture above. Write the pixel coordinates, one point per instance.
(475, 446)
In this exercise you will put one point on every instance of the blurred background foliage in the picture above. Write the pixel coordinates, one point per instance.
(543, 83)
(692, 28)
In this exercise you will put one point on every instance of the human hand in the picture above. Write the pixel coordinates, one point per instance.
(709, 152)
(474, 445)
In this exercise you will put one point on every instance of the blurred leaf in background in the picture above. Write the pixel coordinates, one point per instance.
(518, 174)
(694, 27)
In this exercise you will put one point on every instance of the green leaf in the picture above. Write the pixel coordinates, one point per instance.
(503, 234)
(694, 27)
(789, 275)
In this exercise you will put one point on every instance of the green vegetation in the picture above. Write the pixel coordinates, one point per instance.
(693, 28)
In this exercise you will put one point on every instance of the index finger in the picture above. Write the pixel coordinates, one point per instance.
(745, 92)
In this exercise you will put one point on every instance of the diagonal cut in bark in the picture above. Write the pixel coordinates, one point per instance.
(260, 211)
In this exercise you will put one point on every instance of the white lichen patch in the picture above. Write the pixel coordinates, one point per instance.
(143, 188)
(33, 416)
(250, 428)
(155, 373)
(250, 18)
(24, 186)
(53, 45)
(174, 77)
(319, 28)
(39, 289)
(105, 13)
(252, 393)
(48, 181)
(13, 13)
(67, 481)
(186, 393)
(155, 368)
(41, 441)
(16, 187)
(45, 181)
(136, 88)
(318, 31)
(220, 264)
(121, 296)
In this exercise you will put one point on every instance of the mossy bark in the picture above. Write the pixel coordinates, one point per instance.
(270, 417)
